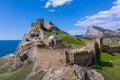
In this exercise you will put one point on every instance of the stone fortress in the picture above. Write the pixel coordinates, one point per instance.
(53, 53)
(47, 52)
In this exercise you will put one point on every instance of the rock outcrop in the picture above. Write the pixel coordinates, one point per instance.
(50, 26)
(32, 37)
(73, 73)
(95, 31)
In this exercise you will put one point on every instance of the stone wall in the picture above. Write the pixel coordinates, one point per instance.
(96, 45)
(92, 46)
(47, 58)
(57, 58)
(83, 58)
(111, 49)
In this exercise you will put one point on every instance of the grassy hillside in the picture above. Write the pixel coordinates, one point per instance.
(111, 43)
(21, 74)
(109, 72)
(17, 75)
(68, 39)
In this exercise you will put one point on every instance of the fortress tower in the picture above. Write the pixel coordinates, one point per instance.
(99, 42)
(39, 24)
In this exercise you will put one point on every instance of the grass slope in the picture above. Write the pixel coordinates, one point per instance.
(109, 72)
(17, 75)
(68, 39)
(111, 44)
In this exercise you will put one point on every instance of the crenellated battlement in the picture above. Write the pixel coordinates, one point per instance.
(64, 57)
(58, 49)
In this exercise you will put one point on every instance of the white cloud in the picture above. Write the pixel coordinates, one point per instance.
(56, 3)
(76, 32)
(107, 19)
(52, 10)
(117, 2)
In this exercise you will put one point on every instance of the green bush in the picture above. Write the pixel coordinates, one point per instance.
(23, 57)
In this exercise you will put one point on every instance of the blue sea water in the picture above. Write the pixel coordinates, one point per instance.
(8, 46)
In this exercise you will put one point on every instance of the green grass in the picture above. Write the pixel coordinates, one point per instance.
(109, 72)
(111, 44)
(4, 65)
(68, 39)
(17, 75)
(21, 73)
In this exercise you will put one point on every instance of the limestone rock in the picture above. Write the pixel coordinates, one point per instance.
(95, 31)
(50, 26)
(73, 73)
(33, 34)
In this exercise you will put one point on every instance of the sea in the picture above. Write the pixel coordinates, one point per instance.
(8, 46)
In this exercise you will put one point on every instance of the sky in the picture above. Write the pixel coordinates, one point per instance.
(72, 16)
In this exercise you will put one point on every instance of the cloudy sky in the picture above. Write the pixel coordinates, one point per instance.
(72, 16)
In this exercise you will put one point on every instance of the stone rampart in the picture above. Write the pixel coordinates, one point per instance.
(56, 58)
(111, 49)
(83, 58)
(47, 58)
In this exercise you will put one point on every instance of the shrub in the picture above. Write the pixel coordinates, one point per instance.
(23, 57)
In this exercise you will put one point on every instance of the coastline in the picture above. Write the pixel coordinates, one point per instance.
(8, 47)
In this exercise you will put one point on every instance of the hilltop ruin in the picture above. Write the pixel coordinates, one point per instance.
(50, 51)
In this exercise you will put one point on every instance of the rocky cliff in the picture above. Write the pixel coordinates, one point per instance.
(34, 36)
(73, 73)
(95, 31)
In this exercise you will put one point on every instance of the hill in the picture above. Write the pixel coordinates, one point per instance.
(95, 31)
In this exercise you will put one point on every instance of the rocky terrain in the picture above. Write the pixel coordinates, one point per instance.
(25, 56)
(73, 73)
(95, 31)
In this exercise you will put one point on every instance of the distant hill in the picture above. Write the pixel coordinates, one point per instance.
(95, 31)
(78, 36)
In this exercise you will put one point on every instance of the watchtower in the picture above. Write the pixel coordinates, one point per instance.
(99, 42)
(39, 24)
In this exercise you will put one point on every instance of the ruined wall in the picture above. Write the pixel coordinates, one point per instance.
(111, 49)
(96, 45)
(94, 48)
(83, 58)
(56, 58)
(69, 58)
(47, 58)
(90, 45)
